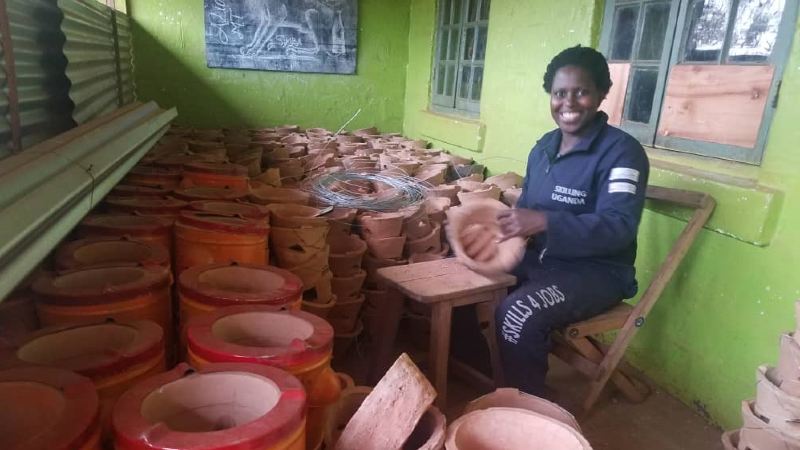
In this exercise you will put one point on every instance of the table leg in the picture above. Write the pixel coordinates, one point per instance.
(485, 313)
(383, 346)
(439, 353)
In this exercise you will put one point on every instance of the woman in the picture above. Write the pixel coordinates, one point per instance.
(580, 208)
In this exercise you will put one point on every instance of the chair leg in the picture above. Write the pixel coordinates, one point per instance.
(485, 313)
(626, 385)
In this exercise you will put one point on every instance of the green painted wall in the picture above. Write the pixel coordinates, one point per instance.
(170, 67)
(722, 313)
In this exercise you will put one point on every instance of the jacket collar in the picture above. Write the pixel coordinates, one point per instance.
(585, 143)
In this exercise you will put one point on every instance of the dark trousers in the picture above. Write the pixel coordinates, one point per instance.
(548, 296)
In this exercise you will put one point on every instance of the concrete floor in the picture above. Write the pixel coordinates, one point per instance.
(659, 423)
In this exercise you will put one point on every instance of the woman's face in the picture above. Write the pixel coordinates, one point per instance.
(574, 99)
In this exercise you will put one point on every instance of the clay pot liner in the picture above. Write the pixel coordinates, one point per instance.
(491, 192)
(210, 193)
(505, 181)
(48, 408)
(483, 212)
(348, 288)
(513, 398)
(787, 373)
(779, 408)
(230, 208)
(236, 284)
(321, 310)
(429, 433)
(341, 220)
(306, 257)
(217, 168)
(512, 429)
(416, 224)
(446, 191)
(386, 248)
(126, 190)
(260, 334)
(758, 434)
(121, 224)
(290, 215)
(511, 196)
(306, 239)
(110, 251)
(178, 161)
(153, 176)
(344, 315)
(99, 285)
(471, 185)
(266, 195)
(730, 440)
(343, 342)
(432, 243)
(217, 407)
(94, 350)
(381, 225)
(346, 256)
(148, 206)
(372, 264)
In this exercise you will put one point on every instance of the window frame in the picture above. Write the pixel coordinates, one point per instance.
(674, 50)
(455, 103)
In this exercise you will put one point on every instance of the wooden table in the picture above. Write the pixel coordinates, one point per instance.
(442, 284)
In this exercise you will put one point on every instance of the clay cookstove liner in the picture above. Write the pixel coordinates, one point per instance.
(482, 212)
(235, 284)
(511, 429)
(216, 407)
(46, 408)
(150, 206)
(99, 285)
(197, 193)
(224, 224)
(93, 349)
(122, 224)
(230, 208)
(132, 190)
(260, 334)
(513, 398)
(110, 251)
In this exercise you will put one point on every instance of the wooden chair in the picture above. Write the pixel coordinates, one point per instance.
(575, 344)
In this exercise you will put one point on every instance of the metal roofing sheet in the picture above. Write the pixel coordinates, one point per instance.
(90, 52)
(5, 123)
(125, 57)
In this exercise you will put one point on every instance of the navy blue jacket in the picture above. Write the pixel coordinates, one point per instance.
(593, 197)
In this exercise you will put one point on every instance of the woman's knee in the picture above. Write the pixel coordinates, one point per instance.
(515, 316)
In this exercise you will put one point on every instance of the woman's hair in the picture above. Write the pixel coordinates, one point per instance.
(584, 57)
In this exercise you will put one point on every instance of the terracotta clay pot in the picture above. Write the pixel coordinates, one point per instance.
(195, 193)
(372, 264)
(434, 174)
(153, 229)
(110, 251)
(436, 208)
(266, 195)
(386, 248)
(490, 192)
(476, 220)
(202, 238)
(229, 208)
(429, 433)
(147, 206)
(319, 309)
(346, 256)
(512, 429)
(219, 175)
(416, 223)
(447, 191)
(467, 185)
(779, 408)
(348, 288)
(295, 256)
(153, 176)
(381, 225)
(730, 439)
(47, 408)
(505, 181)
(291, 215)
(787, 374)
(431, 243)
(423, 257)
(132, 190)
(513, 398)
(757, 433)
(341, 221)
(344, 315)
(343, 342)
(511, 196)
(217, 407)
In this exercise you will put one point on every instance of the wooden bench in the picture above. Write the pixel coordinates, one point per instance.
(444, 285)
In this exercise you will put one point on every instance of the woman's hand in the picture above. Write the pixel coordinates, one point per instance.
(521, 222)
(479, 242)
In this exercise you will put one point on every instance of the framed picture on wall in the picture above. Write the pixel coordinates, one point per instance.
(282, 35)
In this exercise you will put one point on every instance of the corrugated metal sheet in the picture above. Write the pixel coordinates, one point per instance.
(42, 87)
(90, 52)
(125, 58)
(5, 124)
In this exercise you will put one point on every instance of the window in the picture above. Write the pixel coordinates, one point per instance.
(698, 76)
(459, 55)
